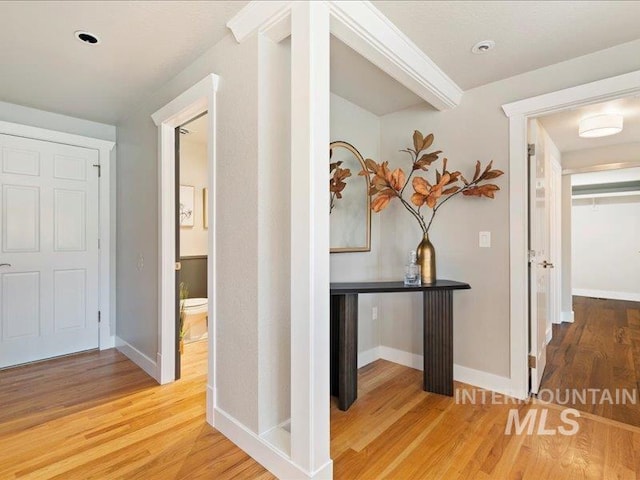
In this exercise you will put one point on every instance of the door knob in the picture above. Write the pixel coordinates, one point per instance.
(546, 264)
(5, 264)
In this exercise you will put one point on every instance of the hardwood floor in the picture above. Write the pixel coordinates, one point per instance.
(54, 424)
(98, 416)
(600, 350)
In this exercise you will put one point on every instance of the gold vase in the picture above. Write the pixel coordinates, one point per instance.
(427, 260)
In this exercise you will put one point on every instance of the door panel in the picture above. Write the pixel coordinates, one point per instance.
(69, 220)
(49, 287)
(21, 218)
(539, 239)
(21, 300)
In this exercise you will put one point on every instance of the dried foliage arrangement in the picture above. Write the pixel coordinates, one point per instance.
(337, 180)
(385, 184)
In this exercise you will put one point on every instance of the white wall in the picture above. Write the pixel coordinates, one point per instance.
(193, 171)
(360, 128)
(236, 217)
(606, 247)
(477, 129)
(274, 234)
(623, 153)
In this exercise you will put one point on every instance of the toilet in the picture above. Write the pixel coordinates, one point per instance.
(195, 321)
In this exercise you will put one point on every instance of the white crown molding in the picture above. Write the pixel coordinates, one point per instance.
(600, 90)
(255, 16)
(366, 30)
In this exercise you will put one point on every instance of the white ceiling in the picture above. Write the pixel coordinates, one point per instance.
(528, 34)
(563, 126)
(144, 43)
(355, 78)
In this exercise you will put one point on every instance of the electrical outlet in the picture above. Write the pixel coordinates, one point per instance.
(484, 240)
(140, 264)
(374, 313)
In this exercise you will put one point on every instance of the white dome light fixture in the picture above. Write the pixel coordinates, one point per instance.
(600, 125)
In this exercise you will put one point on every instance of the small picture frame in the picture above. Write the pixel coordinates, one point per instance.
(186, 205)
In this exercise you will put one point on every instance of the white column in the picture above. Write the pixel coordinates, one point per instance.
(310, 238)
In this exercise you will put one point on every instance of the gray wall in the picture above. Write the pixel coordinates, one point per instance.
(236, 216)
(476, 130)
(10, 112)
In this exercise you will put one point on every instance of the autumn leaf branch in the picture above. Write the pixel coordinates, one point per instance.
(386, 184)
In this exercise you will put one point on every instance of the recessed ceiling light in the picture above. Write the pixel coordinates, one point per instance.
(483, 47)
(600, 125)
(86, 37)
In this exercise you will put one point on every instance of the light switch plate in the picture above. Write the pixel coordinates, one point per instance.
(484, 240)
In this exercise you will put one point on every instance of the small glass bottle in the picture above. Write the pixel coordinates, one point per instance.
(412, 271)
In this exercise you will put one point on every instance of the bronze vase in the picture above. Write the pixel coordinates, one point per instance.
(427, 260)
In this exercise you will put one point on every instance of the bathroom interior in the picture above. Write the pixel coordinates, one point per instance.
(192, 320)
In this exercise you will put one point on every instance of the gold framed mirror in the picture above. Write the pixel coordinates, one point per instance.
(350, 217)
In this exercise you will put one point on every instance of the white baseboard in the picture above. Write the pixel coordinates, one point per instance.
(400, 356)
(265, 454)
(137, 357)
(368, 356)
(476, 378)
(210, 399)
(108, 342)
(484, 380)
(629, 296)
(568, 317)
(549, 335)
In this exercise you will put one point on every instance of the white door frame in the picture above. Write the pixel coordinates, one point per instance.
(519, 112)
(556, 243)
(107, 256)
(195, 101)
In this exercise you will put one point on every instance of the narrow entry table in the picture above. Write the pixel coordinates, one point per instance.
(437, 299)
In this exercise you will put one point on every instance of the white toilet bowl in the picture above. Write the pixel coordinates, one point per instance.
(195, 320)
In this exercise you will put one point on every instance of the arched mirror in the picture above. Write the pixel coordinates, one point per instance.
(350, 202)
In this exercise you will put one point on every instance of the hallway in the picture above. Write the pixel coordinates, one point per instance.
(600, 350)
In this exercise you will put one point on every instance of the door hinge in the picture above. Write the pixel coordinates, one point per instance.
(97, 165)
(99, 316)
(531, 149)
(532, 361)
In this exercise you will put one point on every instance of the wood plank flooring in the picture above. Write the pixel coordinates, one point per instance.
(98, 416)
(54, 424)
(600, 350)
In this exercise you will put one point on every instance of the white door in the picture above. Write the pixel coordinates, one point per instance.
(49, 250)
(538, 255)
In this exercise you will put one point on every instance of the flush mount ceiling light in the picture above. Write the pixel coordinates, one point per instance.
(86, 37)
(483, 47)
(600, 125)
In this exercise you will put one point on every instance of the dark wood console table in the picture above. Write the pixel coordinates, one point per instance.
(437, 336)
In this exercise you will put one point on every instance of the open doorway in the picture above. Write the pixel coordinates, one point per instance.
(192, 223)
(591, 360)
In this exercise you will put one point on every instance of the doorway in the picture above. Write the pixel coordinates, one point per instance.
(192, 223)
(519, 113)
(55, 266)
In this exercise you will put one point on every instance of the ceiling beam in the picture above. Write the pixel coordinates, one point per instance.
(366, 30)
